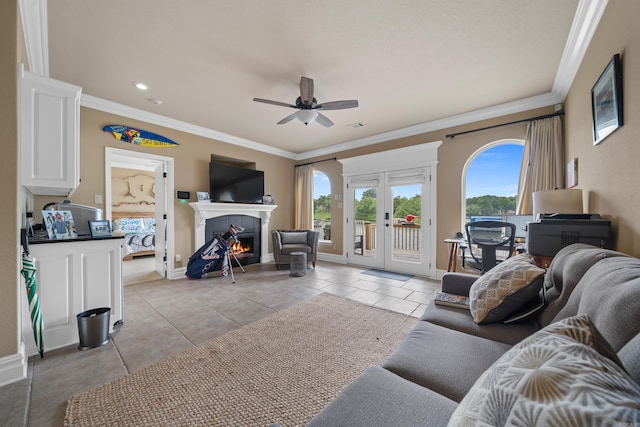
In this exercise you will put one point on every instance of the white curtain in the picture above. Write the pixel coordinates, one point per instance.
(542, 161)
(304, 198)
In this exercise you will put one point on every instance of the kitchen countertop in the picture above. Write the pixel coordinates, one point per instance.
(42, 237)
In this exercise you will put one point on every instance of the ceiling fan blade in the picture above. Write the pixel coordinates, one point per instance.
(338, 105)
(323, 120)
(287, 119)
(268, 101)
(306, 90)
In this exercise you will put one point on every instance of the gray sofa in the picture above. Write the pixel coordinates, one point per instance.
(447, 364)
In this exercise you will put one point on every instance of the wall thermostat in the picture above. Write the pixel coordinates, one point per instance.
(183, 195)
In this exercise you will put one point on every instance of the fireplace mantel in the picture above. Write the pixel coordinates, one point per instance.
(204, 211)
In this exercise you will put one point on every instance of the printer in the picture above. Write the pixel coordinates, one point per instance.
(552, 232)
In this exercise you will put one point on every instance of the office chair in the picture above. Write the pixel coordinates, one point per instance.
(490, 237)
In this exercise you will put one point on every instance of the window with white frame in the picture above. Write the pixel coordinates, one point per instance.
(490, 181)
(322, 204)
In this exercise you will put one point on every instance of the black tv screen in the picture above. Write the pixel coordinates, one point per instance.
(233, 184)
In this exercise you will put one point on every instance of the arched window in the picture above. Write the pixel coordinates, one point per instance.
(322, 204)
(490, 181)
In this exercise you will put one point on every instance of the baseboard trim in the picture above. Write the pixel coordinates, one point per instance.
(13, 367)
(337, 258)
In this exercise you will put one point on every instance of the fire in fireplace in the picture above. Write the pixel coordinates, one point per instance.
(247, 248)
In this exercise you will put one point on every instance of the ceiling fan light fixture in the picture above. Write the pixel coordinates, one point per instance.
(307, 116)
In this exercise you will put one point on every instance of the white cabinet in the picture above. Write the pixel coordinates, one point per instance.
(49, 135)
(72, 277)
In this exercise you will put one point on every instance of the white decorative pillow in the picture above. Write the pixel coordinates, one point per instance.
(128, 225)
(561, 375)
(504, 289)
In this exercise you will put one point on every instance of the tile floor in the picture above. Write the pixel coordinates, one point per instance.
(165, 317)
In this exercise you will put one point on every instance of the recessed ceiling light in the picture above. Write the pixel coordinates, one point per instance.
(141, 85)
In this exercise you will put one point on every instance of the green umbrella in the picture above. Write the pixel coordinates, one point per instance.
(29, 273)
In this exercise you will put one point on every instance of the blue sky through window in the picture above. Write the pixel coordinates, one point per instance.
(495, 171)
(321, 185)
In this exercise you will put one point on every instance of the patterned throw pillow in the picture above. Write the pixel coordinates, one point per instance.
(562, 375)
(504, 289)
(128, 225)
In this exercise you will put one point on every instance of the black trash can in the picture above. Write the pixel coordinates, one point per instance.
(93, 327)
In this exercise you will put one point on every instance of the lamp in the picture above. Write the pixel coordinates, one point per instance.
(557, 201)
(306, 116)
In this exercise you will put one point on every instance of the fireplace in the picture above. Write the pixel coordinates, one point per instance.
(249, 212)
(248, 241)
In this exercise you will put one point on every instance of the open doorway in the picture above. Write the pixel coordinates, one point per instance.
(137, 186)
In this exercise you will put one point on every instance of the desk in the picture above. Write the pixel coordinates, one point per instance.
(454, 244)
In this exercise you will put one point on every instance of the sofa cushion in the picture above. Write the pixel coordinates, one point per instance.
(443, 360)
(380, 398)
(562, 375)
(461, 320)
(288, 249)
(609, 292)
(564, 273)
(293, 237)
(505, 288)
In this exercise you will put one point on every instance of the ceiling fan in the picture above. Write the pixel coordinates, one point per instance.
(308, 106)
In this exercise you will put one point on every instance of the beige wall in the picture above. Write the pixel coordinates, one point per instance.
(609, 173)
(452, 156)
(9, 226)
(132, 191)
(191, 171)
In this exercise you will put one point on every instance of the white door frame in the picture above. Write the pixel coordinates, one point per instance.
(145, 161)
(412, 157)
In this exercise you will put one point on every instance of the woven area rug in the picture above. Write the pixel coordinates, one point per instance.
(282, 369)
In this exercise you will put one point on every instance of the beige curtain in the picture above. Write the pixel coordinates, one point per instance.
(542, 161)
(304, 198)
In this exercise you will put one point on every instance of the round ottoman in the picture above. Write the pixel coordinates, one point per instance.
(298, 264)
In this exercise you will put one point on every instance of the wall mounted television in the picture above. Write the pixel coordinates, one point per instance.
(233, 184)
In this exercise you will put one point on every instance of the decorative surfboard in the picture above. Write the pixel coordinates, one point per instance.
(139, 136)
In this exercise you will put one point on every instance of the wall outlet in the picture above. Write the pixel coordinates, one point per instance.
(178, 257)
(97, 199)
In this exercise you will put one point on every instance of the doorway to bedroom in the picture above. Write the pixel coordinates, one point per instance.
(137, 186)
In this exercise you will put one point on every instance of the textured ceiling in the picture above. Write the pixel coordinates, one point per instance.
(408, 62)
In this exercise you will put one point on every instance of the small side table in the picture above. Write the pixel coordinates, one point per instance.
(298, 264)
(454, 244)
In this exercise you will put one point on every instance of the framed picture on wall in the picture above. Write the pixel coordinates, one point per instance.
(606, 101)
(572, 173)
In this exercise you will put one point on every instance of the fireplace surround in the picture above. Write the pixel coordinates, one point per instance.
(247, 248)
(204, 211)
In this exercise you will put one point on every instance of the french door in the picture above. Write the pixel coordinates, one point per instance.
(388, 217)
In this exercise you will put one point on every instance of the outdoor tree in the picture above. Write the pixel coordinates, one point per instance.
(491, 205)
(322, 207)
(403, 206)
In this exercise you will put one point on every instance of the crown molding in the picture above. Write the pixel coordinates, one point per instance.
(521, 105)
(95, 103)
(33, 14)
(585, 23)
